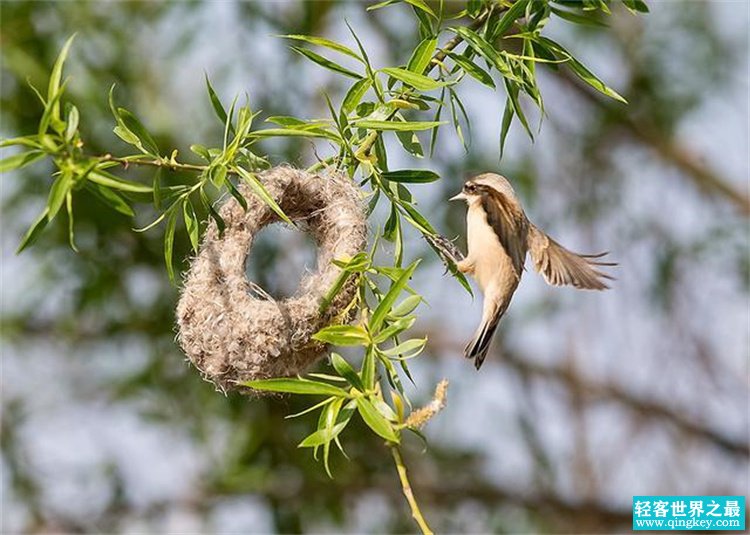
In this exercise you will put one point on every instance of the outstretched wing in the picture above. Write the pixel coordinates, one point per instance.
(559, 266)
(509, 224)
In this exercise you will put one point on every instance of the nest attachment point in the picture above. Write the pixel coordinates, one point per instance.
(230, 329)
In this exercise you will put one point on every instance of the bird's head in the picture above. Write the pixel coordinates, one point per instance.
(480, 185)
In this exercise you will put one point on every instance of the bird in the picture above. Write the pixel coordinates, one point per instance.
(499, 236)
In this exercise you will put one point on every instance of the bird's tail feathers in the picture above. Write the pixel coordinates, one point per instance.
(478, 347)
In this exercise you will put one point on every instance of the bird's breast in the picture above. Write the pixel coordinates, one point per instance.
(492, 265)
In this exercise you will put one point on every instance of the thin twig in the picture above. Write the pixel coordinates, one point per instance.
(416, 513)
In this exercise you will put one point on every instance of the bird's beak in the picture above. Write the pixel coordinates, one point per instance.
(459, 197)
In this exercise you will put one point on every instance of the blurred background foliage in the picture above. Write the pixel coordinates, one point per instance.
(585, 400)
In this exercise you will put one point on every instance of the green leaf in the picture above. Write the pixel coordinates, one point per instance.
(516, 10)
(132, 124)
(49, 110)
(375, 420)
(405, 126)
(111, 181)
(395, 328)
(57, 193)
(387, 302)
(331, 294)
(512, 91)
(417, 81)
(216, 104)
(169, 243)
(72, 127)
(69, 209)
(325, 62)
(411, 176)
(407, 306)
(505, 128)
(323, 436)
(342, 335)
(292, 385)
(32, 235)
(295, 132)
(422, 5)
(191, 223)
(422, 55)
(220, 224)
(410, 142)
(344, 369)
(21, 160)
(577, 18)
(411, 347)
(54, 89)
(581, 70)
(201, 151)
(239, 197)
(260, 190)
(474, 70)
(110, 198)
(321, 41)
(486, 50)
(355, 94)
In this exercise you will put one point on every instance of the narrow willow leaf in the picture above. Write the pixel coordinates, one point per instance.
(512, 91)
(486, 50)
(216, 104)
(375, 420)
(110, 198)
(422, 56)
(410, 142)
(417, 219)
(310, 409)
(407, 306)
(355, 94)
(505, 128)
(325, 62)
(191, 223)
(111, 181)
(49, 110)
(260, 190)
(297, 385)
(405, 126)
(21, 160)
(169, 243)
(239, 197)
(157, 189)
(32, 235)
(331, 294)
(72, 123)
(410, 347)
(295, 132)
(60, 188)
(474, 70)
(516, 10)
(581, 70)
(417, 81)
(344, 369)
(383, 4)
(394, 329)
(343, 335)
(220, 223)
(201, 151)
(422, 5)
(31, 142)
(69, 209)
(411, 176)
(323, 436)
(387, 302)
(132, 123)
(577, 18)
(321, 41)
(54, 80)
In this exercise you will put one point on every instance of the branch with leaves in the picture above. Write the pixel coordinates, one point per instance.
(496, 43)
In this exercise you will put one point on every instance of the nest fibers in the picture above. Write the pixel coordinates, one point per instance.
(230, 329)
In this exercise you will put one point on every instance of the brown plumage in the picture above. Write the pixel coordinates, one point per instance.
(499, 235)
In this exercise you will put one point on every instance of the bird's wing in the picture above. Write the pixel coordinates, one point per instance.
(510, 226)
(560, 266)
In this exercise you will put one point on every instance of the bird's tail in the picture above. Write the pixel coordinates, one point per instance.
(478, 347)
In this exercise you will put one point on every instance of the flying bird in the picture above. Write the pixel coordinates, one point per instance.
(498, 237)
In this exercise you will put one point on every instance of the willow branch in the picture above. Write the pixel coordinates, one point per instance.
(416, 513)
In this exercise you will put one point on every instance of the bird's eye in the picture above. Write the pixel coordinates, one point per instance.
(470, 188)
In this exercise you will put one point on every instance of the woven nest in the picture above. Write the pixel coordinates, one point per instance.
(229, 328)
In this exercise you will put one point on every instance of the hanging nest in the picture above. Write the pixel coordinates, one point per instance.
(229, 328)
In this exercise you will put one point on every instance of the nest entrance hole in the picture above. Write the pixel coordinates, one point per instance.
(281, 257)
